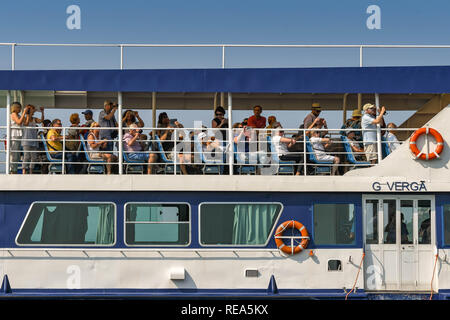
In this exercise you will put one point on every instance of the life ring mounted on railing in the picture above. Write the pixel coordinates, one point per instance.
(426, 156)
(291, 249)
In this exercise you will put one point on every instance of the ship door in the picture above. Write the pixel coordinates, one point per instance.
(399, 237)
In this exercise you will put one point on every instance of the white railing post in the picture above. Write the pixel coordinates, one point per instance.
(174, 137)
(361, 56)
(379, 149)
(63, 169)
(121, 57)
(230, 134)
(13, 56)
(305, 155)
(223, 57)
(120, 133)
(8, 131)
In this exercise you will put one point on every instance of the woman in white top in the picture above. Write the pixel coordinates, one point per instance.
(282, 143)
(319, 150)
(16, 121)
(94, 144)
(390, 136)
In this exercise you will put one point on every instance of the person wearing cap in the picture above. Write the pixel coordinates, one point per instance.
(88, 116)
(353, 123)
(369, 123)
(312, 116)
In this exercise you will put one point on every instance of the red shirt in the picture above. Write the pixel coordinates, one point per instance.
(256, 123)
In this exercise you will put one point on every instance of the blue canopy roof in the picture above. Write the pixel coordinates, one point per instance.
(433, 79)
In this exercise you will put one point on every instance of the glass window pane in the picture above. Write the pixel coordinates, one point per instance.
(157, 224)
(69, 224)
(406, 214)
(424, 223)
(237, 224)
(334, 224)
(389, 221)
(447, 224)
(371, 221)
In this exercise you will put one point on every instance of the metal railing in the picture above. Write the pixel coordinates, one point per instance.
(223, 47)
(200, 150)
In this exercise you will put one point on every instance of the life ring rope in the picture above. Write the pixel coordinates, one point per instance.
(420, 154)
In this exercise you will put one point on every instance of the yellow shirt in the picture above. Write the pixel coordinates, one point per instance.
(53, 146)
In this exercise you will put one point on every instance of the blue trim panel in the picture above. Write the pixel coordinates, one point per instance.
(184, 293)
(417, 79)
(297, 206)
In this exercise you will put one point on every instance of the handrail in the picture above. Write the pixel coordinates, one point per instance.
(185, 151)
(223, 46)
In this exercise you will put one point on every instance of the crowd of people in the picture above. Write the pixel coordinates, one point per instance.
(31, 144)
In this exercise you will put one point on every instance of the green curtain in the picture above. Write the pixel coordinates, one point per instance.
(105, 228)
(252, 223)
(67, 224)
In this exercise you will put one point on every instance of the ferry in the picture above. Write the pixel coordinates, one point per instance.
(234, 228)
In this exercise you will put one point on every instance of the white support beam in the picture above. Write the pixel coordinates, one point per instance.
(120, 135)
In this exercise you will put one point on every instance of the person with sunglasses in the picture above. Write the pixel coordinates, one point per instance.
(220, 122)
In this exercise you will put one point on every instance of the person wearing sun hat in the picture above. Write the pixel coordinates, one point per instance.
(353, 123)
(369, 121)
(311, 117)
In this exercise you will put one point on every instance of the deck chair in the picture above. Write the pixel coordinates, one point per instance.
(55, 165)
(94, 166)
(243, 166)
(284, 167)
(210, 166)
(168, 164)
(132, 166)
(350, 156)
(321, 169)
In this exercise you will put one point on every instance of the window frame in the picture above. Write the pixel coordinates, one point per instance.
(356, 220)
(157, 245)
(237, 245)
(68, 245)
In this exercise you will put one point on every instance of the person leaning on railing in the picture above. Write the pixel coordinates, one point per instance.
(30, 141)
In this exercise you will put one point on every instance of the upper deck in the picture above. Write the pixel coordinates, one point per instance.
(422, 90)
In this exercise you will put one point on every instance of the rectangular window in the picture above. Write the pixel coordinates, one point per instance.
(157, 224)
(237, 224)
(447, 224)
(371, 221)
(424, 217)
(76, 223)
(334, 224)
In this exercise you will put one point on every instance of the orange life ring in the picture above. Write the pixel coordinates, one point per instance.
(431, 155)
(291, 224)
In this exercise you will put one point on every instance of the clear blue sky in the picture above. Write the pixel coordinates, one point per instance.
(217, 22)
